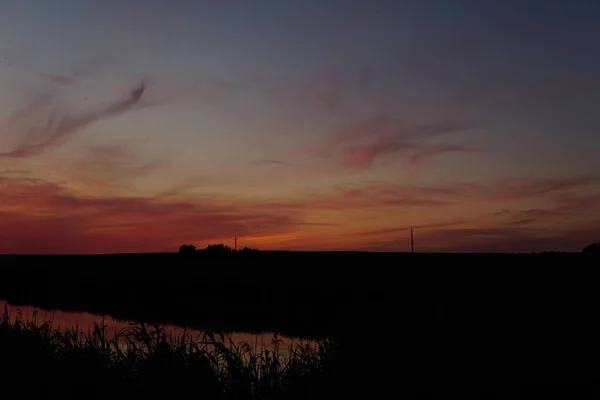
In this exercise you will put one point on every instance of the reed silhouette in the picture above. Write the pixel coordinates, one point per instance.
(144, 360)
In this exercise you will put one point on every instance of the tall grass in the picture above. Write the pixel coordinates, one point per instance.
(146, 360)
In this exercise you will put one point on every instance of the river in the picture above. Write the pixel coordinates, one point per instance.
(62, 320)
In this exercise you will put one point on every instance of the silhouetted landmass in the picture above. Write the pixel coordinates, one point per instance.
(486, 325)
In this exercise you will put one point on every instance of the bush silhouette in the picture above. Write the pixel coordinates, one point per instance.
(187, 249)
(218, 249)
(593, 248)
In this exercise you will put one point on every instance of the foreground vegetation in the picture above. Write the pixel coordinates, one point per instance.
(146, 360)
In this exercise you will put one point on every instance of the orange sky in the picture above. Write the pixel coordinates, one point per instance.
(512, 215)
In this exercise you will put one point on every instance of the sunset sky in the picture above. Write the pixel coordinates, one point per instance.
(139, 125)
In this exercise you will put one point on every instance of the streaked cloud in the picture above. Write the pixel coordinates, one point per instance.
(269, 162)
(421, 155)
(111, 165)
(501, 190)
(406, 228)
(362, 142)
(507, 239)
(583, 205)
(524, 221)
(503, 211)
(41, 217)
(59, 126)
(488, 239)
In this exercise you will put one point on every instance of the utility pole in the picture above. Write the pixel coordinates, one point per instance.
(235, 245)
(412, 242)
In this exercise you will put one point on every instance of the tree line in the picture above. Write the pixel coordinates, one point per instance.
(213, 249)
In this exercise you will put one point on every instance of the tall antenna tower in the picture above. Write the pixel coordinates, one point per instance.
(235, 244)
(412, 242)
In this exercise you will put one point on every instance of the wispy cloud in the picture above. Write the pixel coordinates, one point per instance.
(58, 127)
(269, 162)
(417, 159)
(381, 194)
(524, 221)
(102, 166)
(61, 79)
(80, 71)
(515, 188)
(406, 228)
(362, 142)
(502, 230)
(41, 217)
(506, 189)
(503, 211)
(583, 205)
(376, 197)
(508, 239)
(38, 216)
(489, 239)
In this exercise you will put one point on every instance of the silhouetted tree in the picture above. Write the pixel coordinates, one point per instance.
(187, 249)
(248, 250)
(593, 248)
(218, 249)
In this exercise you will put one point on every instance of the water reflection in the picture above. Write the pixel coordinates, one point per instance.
(84, 321)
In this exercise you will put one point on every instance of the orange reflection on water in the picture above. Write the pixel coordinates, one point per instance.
(84, 322)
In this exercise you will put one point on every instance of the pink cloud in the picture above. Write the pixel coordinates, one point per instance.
(365, 155)
(420, 155)
(361, 143)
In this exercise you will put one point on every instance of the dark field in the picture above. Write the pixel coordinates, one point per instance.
(478, 325)
(307, 294)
